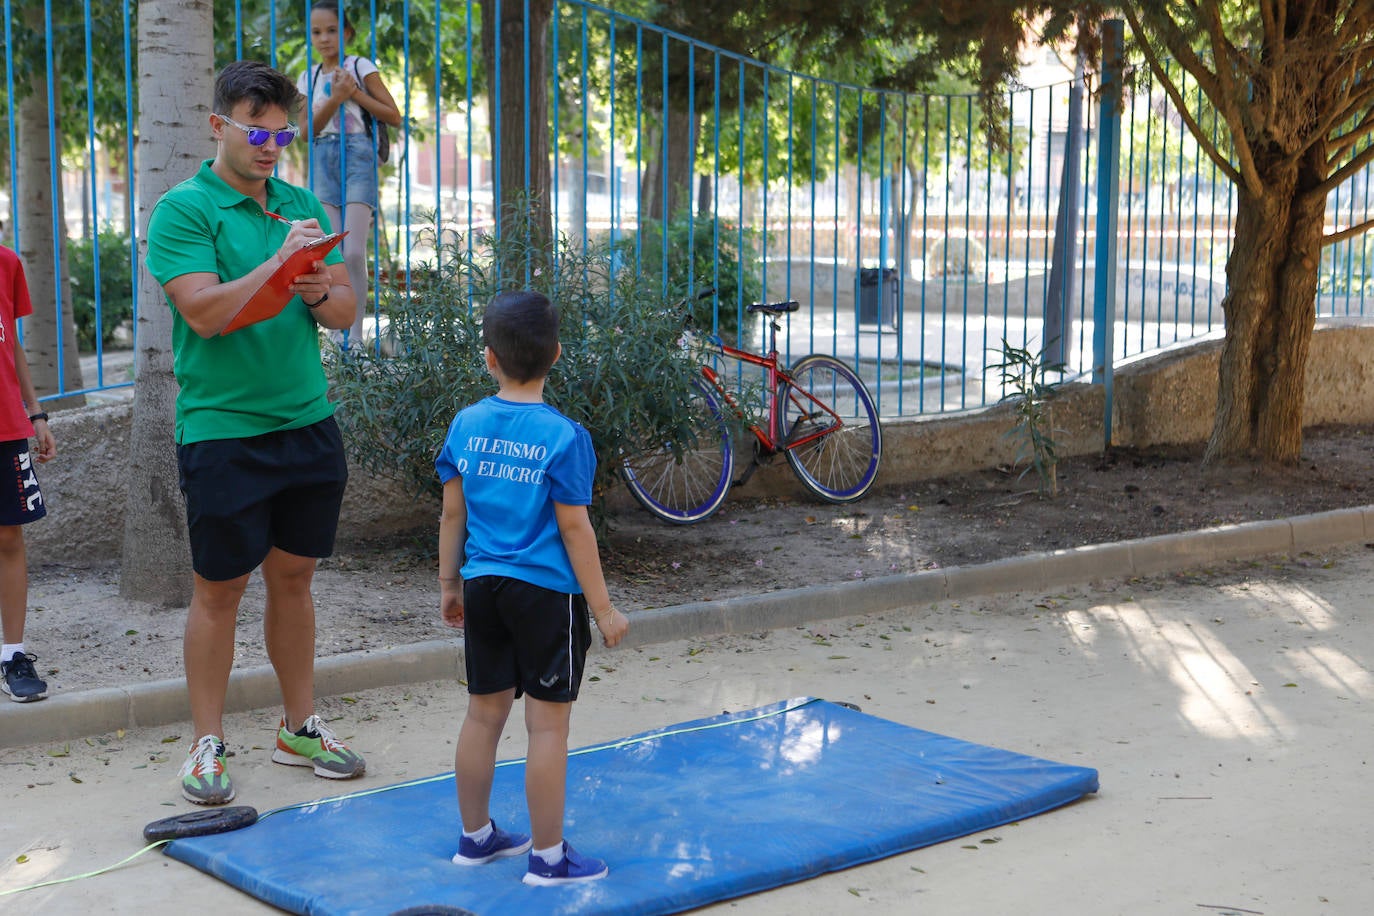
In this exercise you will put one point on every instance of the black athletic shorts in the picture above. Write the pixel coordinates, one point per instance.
(22, 501)
(246, 496)
(523, 636)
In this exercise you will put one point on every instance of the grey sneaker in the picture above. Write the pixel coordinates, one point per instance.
(203, 777)
(21, 680)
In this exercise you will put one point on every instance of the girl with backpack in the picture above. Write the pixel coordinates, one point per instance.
(350, 107)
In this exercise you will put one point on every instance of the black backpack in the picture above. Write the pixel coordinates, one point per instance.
(380, 132)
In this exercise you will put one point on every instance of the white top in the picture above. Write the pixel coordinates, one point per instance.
(358, 68)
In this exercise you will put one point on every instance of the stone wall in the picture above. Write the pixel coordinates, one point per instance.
(1167, 399)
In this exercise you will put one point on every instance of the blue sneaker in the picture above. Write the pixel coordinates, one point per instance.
(20, 679)
(574, 867)
(498, 845)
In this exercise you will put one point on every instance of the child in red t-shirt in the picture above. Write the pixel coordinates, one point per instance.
(21, 501)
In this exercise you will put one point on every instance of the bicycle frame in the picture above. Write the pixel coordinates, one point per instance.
(772, 440)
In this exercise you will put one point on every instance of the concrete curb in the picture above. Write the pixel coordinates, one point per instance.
(93, 712)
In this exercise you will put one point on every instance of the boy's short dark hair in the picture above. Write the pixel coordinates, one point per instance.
(259, 84)
(521, 327)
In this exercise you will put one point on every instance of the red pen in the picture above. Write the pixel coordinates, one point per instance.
(278, 216)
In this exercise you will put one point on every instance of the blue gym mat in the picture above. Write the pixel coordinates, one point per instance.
(686, 815)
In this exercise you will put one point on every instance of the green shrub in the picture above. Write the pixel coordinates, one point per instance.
(1027, 377)
(740, 278)
(623, 374)
(116, 286)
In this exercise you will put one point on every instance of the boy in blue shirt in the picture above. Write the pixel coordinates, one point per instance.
(518, 571)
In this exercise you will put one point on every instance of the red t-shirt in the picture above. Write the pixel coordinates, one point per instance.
(14, 304)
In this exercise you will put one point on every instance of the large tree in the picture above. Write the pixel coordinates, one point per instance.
(175, 86)
(1292, 85)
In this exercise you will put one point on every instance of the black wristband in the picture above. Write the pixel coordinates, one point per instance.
(316, 304)
(34, 417)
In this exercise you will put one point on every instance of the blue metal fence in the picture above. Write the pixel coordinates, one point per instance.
(913, 246)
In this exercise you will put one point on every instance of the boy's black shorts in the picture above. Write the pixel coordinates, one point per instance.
(523, 636)
(246, 496)
(21, 501)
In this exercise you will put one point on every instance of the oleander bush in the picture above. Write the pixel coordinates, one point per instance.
(624, 374)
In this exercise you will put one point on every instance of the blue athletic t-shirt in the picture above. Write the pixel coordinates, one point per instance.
(516, 461)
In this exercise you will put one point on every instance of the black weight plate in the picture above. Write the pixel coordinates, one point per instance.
(200, 823)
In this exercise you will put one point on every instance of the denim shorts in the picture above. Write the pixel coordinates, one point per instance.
(325, 153)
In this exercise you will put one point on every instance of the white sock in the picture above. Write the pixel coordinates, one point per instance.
(551, 856)
(479, 836)
(10, 650)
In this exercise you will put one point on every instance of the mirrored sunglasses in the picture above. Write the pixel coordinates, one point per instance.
(257, 136)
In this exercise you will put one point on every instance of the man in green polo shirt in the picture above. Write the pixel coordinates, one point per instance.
(260, 456)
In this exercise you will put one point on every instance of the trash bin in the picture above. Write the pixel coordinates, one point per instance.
(878, 294)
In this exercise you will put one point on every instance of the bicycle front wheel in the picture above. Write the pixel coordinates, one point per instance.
(685, 482)
(830, 430)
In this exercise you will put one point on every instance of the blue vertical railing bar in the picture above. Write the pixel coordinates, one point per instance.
(903, 267)
(639, 148)
(439, 209)
(859, 216)
(968, 198)
(93, 182)
(664, 215)
(555, 103)
(496, 176)
(586, 136)
(14, 146)
(467, 111)
(763, 267)
(715, 197)
(527, 183)
(405, 140)
(130, 195)
(1197, 198)
(787, 276)
(1108, 176)
(944, 258)
(739, 230)
(925, 242)
(59, 229)
(692, 167)
(614, 177)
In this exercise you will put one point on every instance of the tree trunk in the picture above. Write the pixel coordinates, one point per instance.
(49, 345)
(175, 51)
(676, 161)
(1270, 313)
(521, 192)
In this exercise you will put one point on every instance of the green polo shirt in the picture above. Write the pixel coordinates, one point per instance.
(259, 379)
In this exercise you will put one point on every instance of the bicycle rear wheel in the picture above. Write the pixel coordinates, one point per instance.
(830, 430)
(685, 483)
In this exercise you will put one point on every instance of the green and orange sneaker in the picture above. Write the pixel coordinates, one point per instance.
(203, 778)
(316, 746)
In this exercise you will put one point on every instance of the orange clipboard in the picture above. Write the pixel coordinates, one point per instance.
(275, 291)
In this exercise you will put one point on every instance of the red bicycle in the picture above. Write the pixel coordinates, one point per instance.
(820, 417)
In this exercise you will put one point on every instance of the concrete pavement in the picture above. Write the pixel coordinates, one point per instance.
(94, 712)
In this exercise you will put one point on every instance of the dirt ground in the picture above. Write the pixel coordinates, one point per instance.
(381, 593)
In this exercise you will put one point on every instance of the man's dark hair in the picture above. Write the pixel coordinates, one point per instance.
(521, 327)
(259, 84)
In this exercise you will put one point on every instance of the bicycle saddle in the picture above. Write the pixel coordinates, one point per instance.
(773, 308)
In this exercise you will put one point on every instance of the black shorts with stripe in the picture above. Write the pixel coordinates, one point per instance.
(524, 636)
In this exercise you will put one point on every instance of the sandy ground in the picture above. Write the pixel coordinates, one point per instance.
(1231, 719)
